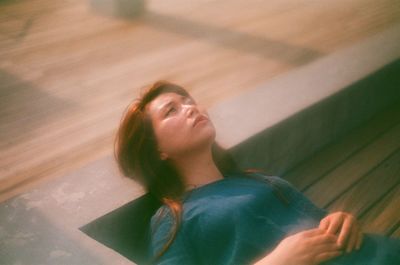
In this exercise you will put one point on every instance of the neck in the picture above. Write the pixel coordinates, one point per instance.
(198, 169)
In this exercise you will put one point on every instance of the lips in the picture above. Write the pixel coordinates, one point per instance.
(199, 119)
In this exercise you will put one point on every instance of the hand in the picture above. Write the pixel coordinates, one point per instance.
(309, 247)
(346, 226)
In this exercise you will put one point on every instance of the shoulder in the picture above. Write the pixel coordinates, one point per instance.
(271, 179)
(294, 195)
(163, 224)
(277, 182)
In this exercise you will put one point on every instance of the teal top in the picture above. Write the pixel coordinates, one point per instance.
(239, 219)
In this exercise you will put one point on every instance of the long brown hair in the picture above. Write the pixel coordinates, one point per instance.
(136, 153)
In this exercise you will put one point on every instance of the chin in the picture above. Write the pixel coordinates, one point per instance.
(206, 139)
(211, 134)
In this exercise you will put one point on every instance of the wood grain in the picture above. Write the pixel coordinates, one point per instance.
(359, 173)
(67, 71)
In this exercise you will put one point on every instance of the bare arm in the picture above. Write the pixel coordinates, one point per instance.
(337, 232)
(308, 247)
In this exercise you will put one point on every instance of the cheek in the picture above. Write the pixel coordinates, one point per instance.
(171, 135)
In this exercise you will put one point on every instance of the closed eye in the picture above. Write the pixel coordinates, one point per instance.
(170, 110)
(173, 105)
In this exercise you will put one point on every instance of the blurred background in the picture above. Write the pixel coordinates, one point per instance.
(69, 68)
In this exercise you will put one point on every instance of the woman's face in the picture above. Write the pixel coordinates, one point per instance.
(180, 125)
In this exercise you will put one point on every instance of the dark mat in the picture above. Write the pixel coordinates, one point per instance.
(126, 229)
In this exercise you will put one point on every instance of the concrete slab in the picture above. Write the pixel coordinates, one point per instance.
(41, 227)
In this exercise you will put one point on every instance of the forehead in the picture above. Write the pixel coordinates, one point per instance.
(156, 104)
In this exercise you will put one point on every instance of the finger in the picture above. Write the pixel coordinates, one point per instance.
(327, 256)
(324, 224)
(325, 239)
(313, 232)
(352, 239)
(335, 224)
(344, 232)
(359, 240)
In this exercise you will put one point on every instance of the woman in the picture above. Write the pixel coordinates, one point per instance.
(215, 213)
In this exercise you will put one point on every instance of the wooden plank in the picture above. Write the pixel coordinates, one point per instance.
(341, 178)
(396, 233)
(65, 50)
(370, 188)
(384, 217)
(324, 161)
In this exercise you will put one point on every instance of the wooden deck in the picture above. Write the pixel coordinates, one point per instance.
(359, 173)
(67, 72)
